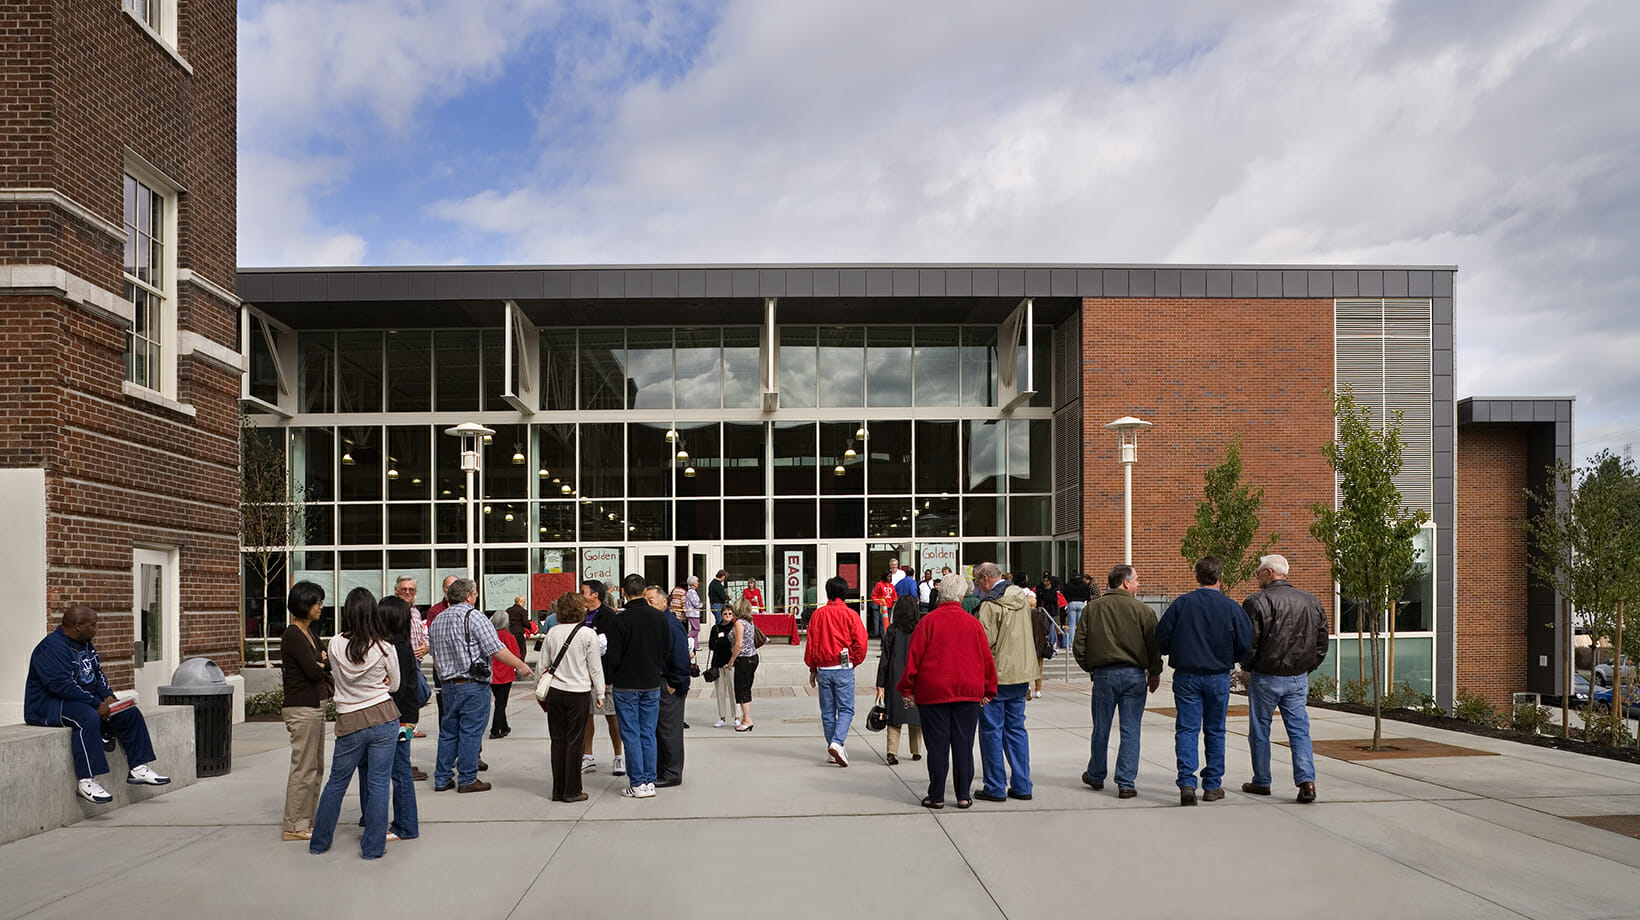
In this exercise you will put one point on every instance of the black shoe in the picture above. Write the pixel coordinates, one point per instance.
(1187, 796)
(1022, 796)
(108, 742)
(1096, 787)
(1255, 789)
(916, 757)
(1306, 793)
(664, 783)
(984, 796)
(1212, 795)
(496, 736)
(482, 765)
(1127, 793)
(686, 725)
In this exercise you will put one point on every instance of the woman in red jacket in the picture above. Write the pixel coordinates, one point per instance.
(753, 596)
(501, 677)
(883, 597)
(949, 675)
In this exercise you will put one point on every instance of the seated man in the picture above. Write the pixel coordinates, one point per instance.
(66, 688)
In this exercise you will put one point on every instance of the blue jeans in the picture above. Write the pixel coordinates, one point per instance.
(836, 703)
(405, 821)
(376, 744)
(1201, 701)
(1118, 690)
(460, 732)
(1265, 694)
(1002, 736)
(1073, 612)
(637, 712)
(717, 614)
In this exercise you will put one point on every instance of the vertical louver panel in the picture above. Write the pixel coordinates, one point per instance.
(1067, 469)
(1383, 353)
(1067, 360)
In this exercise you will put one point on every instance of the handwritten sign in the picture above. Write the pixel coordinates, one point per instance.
(601, 563)
(936, 556)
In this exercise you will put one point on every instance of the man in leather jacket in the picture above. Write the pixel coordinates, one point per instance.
(1289, 641)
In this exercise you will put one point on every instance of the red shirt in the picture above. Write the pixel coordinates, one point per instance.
(754, 597)
(433, 611)
(832, 628)
(949, 660)
(884, 595)
(503, 673)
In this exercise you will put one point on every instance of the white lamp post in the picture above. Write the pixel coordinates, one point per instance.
(471, 434)
(1127, 430)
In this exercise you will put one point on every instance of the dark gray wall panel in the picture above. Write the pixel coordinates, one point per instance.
(665, 283)
(1318, 284)
(743, 283)
(1420, 284)
(1062, 282)
(1442, 284)
(772, 282)
(879, 282)
(1193, 282)
(985, 282)
(800, 283)
(1011, 282)
(1115, 282)
(1395, 284)
(1038, 283)
(1294, 284)
(583, 284)
(1219, 283)
(851, 282)
(1440, 309)
(932, 283)
(1090, 282)
(1141, 283)
(905, 282)
(1346, 284)
(611, 284)
(828, 282)
(959, 283)
(1167, 282)
(1269, 284)
(1371, 283)
(1243, 283)
(692, 283)
(720, 282)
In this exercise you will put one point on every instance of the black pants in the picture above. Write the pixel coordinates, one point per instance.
(567, 718)
(948, 734)
(669, 739)
(498, 723)
(745, 670)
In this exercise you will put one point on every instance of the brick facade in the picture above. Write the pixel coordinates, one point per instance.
(85, 83)
(1203, 371)
(1491, 574)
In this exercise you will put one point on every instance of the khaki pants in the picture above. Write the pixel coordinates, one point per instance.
(723, 690)
(306, 725)
(894, 739)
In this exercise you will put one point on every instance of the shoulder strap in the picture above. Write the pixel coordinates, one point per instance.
(558, 658)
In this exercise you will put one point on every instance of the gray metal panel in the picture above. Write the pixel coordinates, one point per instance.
(1269, 284)
(1167, 282)
(1521, 410)
(583, 284)
(1480, 411)
(720, 282)
(1441, 437)
(1089, 282)
(828, 282)
(492, 285)
(959, 282)
(1420, 284)
(611, 284)
(1440, 361)
(1371, 283)
(1395, 284)
(1193, 282)
(1441, 311)
(1011, 282)
(1220, 283)
(1062, 283)
(1346, 284)
(556, 285)
(905, 282)
(1563, 432)
(640, 283)
(341, 287)
(931, 283)
(1563, 410)
(851, 282)
(253, 287)
(1038, 283)
(400, 287)
(771, 282)
(1318, 284)
(800, 282)
(743, 283)
(1295, 284)
(447, 286)
(665, 283)
(1141, 283)
(692, 283)
(879, 282)
(1441, 335)
(985, 282)
(1115, 282)
(1243, 283)
(1442, 284)
(1442, 393)
(1443, 489)
(1543, 411)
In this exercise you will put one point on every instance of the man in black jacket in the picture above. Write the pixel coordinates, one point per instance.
(717, 595)
(1289, 641)
(640, 645)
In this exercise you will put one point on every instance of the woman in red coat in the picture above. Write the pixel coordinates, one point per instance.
(949, 675)
(753, 596)
(501, 677)
(883, 597)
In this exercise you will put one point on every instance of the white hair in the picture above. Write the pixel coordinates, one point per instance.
(1276, 563)
(404, 578)
(694, 579)
(952, 589)
(499, 619)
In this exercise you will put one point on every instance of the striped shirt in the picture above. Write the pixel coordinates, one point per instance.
(460, 636)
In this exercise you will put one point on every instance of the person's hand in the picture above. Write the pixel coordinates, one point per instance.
(420, 651)
(1153, 682)
(668, 689)
(814, 677)
(879, 696)
(102, 709)
(524, 672)
(908, 700)
(324, 658)
(985, 701)
(598, 703)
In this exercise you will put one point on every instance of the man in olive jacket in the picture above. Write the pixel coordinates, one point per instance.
(1115, 643)
(1289, 641)
(1005, 612)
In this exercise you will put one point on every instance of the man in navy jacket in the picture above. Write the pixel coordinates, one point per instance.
(1203, 634)
(66, 688)
(669, 724)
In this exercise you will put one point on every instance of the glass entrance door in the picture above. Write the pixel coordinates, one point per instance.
(155, 602)
(655, 562)
(848, 562)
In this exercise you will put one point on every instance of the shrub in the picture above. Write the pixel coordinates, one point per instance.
(1605, 727)
(1428, 706)
(1322, 688)
(1353, 691)
(1472, 707)
(263, 703)
(1403, 697)
(1531, 719)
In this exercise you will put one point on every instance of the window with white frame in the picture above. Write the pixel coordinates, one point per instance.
(160, 16)
(150, 286)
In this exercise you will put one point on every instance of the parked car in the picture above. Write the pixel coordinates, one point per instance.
(1603, 673)
(1602, 700)
(1580, 691)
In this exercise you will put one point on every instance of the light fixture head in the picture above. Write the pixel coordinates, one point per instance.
(671, 435)
(445, 492)
(486, 509)
(416, 481)
(565, 488)
(862, 433)
(508, 516)
(392, 473)
(683, 455)
(518, 457)
(347, 458)
(543, 528)
(543, 472)
(838, 470)
(612, 515)
(490, 437)
(849, 454)
(1128, 423)
(689, 471)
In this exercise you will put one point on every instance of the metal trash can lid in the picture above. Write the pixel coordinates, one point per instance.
(198, 677)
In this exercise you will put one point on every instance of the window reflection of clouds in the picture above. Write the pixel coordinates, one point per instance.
(742, 365)
(938, 363)
(797, 367)
(888, 366)
(979, 367)
(842, 367)
(1030, 455)
(602, 356)
(982, 450)
(649, 367)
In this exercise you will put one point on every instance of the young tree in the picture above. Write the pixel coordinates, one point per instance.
(1368, 535)
(1227, 521)
(270, 510)
(1590, 549)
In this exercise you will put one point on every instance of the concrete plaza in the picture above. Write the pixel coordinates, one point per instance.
(764, 825)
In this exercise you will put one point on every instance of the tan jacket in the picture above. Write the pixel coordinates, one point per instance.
(1007, 622)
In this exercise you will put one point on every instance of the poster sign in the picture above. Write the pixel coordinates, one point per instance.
(552, 560)
(792, 579)
(937, 556)
(601, 563)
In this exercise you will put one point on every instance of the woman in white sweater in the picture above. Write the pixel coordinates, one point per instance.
(573, 688)
(366, 670)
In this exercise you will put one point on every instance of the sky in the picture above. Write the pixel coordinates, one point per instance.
(1501, 136)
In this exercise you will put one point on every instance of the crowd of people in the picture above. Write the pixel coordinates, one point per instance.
(956, 664)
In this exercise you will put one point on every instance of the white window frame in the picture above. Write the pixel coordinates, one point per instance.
(164, 324)
(159, 17)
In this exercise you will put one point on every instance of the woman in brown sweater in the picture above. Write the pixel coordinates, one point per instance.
(307, 686)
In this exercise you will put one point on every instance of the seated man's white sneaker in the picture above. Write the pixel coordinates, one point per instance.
(144, 775)
(93, 792)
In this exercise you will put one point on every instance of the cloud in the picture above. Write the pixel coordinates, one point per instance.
(276, 221)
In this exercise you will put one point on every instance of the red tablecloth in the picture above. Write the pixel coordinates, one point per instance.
(777, 624)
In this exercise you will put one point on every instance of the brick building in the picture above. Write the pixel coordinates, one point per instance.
(790, 422)
(118, 468)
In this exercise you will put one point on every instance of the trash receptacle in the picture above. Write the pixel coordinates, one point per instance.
(201, 684)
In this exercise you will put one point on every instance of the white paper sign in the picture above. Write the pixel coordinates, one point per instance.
(937, 556)
(602, 563)
(792, 578)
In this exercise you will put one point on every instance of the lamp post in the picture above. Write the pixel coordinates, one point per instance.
(1127, 430)
(471, 434)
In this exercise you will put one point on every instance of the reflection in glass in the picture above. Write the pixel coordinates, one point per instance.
(842, 366)
(743, 446)
(889, 452)
(938, 365)
(409, 371)
(312, 460)
(888, 517)
(742, 366)
(840, 446)
(743, 563)
(319, 525)
(888, 366)
(507, 472)
(557, 369)
(603, 460)
(649, 367)
(358, 569)
(359, 367)
(492, 369)
(410, 523)
(701, 443)
(361, 464)
(649, 520)
(744, 520)
(797, 367)
(555, 461)
(808, 576)
(450, 482)
(1030, 516)
(1029, 560)
(316, 371)
(700, 369)
(935, 517)
(416, 563)
(979, 366)
(975, 553)
(360, 525)
(409, 462)
(982, 454)
(648, 458)
(505, 522)
(602, 521)
(1030, 455)
(450, 523)
(1044, 367)
(842, 518)
(936, 448)
(699, 520)
(456, 377)
(602, 360)
(984, 516)
(556, 522)
(794, 518)
(794, 458)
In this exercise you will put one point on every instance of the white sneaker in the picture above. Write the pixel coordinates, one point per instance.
(838, 755)
(633, 792)
(737, 723)
(619, 766)
(93, 792)
(719, 723)
(589, 764)
(1039, 694)
(646, 791)
(144, 775)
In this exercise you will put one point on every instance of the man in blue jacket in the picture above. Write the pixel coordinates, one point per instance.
(1203, 634)
(669, 723)
(66, 688)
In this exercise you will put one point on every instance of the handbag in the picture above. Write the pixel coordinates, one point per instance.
(710, 675)
(758, 639)
(542, 686)
(877, 719)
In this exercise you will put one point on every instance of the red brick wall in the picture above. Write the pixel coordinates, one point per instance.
(82, 82)
(1490, 573)
(1203, 371)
